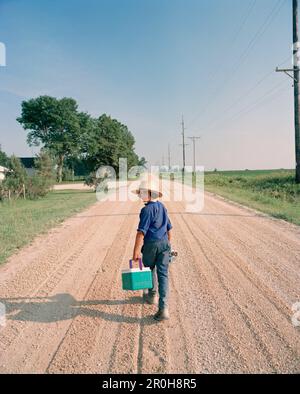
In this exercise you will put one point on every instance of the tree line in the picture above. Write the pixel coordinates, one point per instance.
(68, 137)
(69, 134)
(17, 183)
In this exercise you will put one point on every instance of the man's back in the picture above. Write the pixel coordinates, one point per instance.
(154, 221)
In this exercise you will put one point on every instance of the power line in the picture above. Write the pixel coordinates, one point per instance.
(244, 54)
(248, 92)
(233, 37)
(272, 92)
(261, 31)
(248, 13)
(259, 104)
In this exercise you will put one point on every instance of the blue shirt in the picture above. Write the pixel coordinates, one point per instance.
(154, 221)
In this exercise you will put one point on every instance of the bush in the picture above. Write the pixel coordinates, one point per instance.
(43, 180)
(16, 178)
(4, 159)
(3, 192)
(44, 164)
(18, 184)
(36, 187)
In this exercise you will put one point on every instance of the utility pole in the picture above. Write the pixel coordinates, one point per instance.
(183, 144)
(295, 77)
(194, 139)
(169, 157)
(296, 87)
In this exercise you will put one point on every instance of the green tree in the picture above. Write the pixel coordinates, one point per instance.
(4, 159)
(45, 168)
(16, 177)
(43, 180)
(55, 124)
(77, 161)
(142, 162)
(106, 141)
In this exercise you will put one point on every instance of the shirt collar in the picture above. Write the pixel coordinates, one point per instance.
(149, 202)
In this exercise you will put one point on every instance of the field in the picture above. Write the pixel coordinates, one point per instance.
(21, 221)
(271, 191)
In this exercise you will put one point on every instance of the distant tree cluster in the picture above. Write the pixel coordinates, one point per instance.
(76, 138)
(4, 159)
(17, 183)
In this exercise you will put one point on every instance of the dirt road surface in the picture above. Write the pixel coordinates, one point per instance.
(71, 186)
(231, 292)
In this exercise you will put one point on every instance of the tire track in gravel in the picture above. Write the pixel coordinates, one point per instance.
(265, 245)
(277, 333)
(46, 250)
(272, 320)
(140, 343)
(203, 330)
(237, 258)
(249, 315)
(287, 233)
(14, 328)
(86, 330)
(154, 350)
(30, 315)
(225, 233)
(237, 329)
(220, 240)
(196, 314)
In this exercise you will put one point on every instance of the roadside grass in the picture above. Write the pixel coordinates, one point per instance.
(270, 191)
(22, 220)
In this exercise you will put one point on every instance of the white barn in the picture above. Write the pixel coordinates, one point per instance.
(2, 173)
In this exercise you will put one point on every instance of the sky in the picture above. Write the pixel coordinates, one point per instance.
(147, 63)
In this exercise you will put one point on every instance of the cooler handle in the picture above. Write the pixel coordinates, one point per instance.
(140, 264)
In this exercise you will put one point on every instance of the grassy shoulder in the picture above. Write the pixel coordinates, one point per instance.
(22, 220)
(270, 191)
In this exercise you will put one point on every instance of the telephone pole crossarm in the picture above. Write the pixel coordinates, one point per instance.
(287, 71)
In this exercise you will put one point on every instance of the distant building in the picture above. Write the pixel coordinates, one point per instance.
(2, 172)
(28, 163)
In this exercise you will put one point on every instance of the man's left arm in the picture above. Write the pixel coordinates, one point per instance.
(139, 240)
(145, 219)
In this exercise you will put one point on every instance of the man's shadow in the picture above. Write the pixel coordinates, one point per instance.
(65, 306)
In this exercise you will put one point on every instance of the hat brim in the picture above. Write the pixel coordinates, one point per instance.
(137, 191)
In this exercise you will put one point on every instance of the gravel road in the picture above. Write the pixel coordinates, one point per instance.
(232, 288)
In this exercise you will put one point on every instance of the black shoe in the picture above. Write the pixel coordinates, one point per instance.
(162, 314)
(151, 299)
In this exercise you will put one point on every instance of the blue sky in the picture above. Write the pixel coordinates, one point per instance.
(147, 62)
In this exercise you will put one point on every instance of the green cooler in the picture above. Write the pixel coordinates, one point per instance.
(137, 278)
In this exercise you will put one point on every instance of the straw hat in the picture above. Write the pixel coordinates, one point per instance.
(150, 184)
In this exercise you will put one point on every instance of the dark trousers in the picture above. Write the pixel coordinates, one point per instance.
(156, 255)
